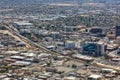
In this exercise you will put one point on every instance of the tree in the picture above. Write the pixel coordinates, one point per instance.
(74, 65)
(48, 64)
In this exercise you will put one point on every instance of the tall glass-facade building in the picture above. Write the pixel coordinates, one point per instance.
(93, 49)
(117, 31)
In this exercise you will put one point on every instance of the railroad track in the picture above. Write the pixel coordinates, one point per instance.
(32, 45)
(35, 45)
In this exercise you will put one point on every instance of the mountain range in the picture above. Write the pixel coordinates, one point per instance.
(19, 2)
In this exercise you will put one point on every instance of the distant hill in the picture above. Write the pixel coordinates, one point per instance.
(19, 2)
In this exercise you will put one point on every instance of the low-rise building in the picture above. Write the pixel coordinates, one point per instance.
(95, 77)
